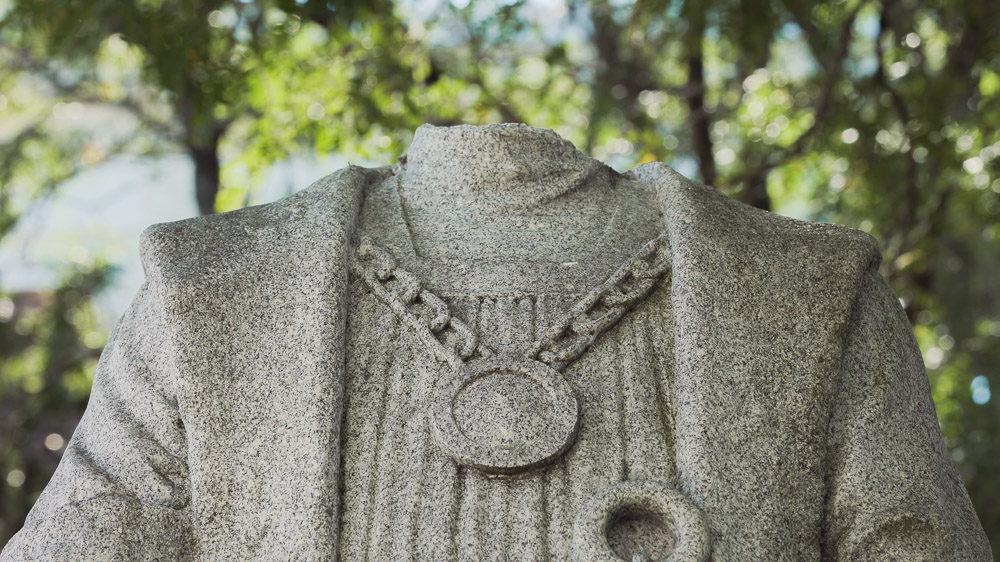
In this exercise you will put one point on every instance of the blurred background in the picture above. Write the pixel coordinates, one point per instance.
(116, 114)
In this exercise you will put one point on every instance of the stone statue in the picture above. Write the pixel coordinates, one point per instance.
(502, 349)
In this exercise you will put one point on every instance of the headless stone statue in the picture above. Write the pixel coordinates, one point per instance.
(501, 349)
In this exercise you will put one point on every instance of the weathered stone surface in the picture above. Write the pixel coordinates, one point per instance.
(746, 386)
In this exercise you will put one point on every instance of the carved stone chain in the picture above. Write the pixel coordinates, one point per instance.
(603, 306)
(452, 342)
(449, 339)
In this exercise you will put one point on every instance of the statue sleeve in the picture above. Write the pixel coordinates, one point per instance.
(121, 489)
(893, 492)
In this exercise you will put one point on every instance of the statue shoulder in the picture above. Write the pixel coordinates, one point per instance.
(731, 223)
(206, 245)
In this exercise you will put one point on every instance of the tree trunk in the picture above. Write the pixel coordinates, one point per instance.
(701, 139)
(206, 176)
(755, 191)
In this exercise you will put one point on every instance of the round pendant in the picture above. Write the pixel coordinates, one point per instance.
(504, 415)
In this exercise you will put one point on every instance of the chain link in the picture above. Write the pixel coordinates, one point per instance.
(603, 307)
(452, 341)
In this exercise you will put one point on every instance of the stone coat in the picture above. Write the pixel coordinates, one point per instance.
(805, 426)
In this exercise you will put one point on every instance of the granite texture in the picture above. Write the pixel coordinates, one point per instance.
(270, 395)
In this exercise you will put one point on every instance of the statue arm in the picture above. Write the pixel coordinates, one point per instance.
(893, 492)
(121, 489)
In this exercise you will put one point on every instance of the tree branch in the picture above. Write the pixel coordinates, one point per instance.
(907, 214)
(24, 61)
(834, 69)
(508, 113)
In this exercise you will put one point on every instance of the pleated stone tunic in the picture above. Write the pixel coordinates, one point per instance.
(404, 498)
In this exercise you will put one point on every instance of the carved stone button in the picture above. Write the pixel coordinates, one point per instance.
(640, 520)
(504, 415)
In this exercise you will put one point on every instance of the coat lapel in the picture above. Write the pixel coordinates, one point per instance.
(260, 313)
(760, 307)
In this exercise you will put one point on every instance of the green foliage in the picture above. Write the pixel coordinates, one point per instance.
(49, 347)
(883, 115)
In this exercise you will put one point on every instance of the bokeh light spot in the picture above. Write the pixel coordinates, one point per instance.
(15, 478)
(980, 387)
(54, 442)
(973, 165)
(316, 112)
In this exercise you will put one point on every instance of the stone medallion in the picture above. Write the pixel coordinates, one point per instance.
(504, 415)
